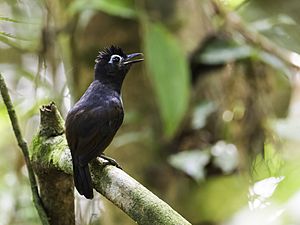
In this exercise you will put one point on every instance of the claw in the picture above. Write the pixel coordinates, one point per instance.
(110, 161)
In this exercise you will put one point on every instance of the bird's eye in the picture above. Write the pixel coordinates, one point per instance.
(115, 59)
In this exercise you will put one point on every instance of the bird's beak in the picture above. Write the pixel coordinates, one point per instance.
(130, 58)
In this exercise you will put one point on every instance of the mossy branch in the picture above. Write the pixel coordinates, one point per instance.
(134, 199)
(23, 145)
(56, 186)
(117, 186)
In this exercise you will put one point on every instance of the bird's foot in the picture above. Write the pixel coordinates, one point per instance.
(110, 161)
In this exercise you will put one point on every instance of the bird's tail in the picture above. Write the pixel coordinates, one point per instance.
(83, 180)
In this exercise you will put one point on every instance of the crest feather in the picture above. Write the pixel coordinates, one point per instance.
(104, 56)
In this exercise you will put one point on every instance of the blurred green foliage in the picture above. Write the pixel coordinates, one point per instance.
(120, 8)
(43, 49)
(168, 68)
(276, 19)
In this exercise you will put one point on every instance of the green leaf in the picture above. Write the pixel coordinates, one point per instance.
(267, 165)
(121, 8)
(7, 19)
(230, 191)
(232, 4)
(191, 162)
(201, 113)
(168, 68)
(223, 51)
(275, 62)
(8, 35)
(9, 42)
(278, 21)
(225, 156)
(287, 129)
(273, 159)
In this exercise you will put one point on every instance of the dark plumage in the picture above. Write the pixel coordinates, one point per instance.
(94, 120)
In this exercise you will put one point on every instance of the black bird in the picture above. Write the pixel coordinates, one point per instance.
(94, 120)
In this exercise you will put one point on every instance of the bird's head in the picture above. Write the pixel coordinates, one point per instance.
(112, 64)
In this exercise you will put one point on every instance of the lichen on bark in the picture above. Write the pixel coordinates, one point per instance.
(52, 163)
(51, 160)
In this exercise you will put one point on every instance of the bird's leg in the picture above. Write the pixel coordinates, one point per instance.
(110, 161)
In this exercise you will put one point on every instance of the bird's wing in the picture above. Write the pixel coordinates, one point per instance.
(91, 131)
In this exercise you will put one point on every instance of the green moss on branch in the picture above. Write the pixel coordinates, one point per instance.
(52, 164)
(23, 146)
(50, 152)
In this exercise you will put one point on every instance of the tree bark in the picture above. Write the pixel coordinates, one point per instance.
(56, 186)
(52, 163)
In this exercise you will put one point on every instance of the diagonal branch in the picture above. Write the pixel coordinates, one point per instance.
(50, 152)
(234, 23)
(23, 145)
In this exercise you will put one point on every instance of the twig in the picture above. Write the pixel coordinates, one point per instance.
(23, 145)
(235, 24)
